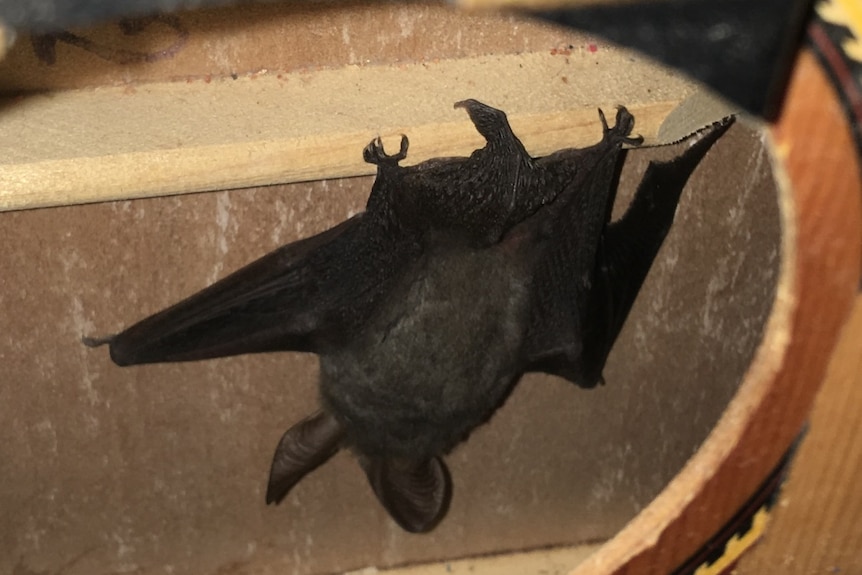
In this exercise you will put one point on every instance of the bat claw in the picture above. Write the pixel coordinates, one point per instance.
(625, 123)
(96, 341)
(375, 154)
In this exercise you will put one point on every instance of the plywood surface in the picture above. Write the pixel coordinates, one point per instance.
(285, 92)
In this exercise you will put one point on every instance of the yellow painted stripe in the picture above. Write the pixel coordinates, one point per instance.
(847, 13)
(737, 545)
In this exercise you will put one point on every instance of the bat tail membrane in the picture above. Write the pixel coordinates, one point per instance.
(416, 494)
(302, 449)
(629, 245)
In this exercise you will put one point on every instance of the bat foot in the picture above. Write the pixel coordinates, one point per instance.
(416, 494)
(621, 131)
(375, 154)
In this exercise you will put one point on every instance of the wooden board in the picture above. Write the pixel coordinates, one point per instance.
(166, 138)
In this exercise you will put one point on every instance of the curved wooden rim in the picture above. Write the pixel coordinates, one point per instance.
(819, 178)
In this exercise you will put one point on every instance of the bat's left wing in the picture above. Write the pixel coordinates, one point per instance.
(300, 297)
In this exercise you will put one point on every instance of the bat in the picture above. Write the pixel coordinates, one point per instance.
(461, 275)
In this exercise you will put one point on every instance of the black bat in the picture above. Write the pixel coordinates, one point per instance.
(461, 275)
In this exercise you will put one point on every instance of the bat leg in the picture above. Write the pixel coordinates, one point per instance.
(302, 449)
(375, 154)
(624, 125)
(416, 494)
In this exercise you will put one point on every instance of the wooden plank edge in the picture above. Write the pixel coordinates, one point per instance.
(489, 5)
(554, 561)
(126, 142)
(248, 164)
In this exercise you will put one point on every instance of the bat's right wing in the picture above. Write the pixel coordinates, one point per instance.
(629, 245)
(300, 297)
(584, 291)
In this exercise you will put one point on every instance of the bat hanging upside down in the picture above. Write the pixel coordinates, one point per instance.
(461, 275)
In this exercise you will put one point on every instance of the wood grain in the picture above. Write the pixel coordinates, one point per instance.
(816, 526)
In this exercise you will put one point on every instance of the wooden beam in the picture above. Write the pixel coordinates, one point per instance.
(166, 138)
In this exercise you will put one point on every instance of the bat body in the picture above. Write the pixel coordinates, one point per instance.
(461, 275)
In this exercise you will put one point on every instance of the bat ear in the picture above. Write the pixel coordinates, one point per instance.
(302, 449)
(416, 495)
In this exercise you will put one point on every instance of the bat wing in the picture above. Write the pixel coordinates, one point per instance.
(586, 287)
(295, 298)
